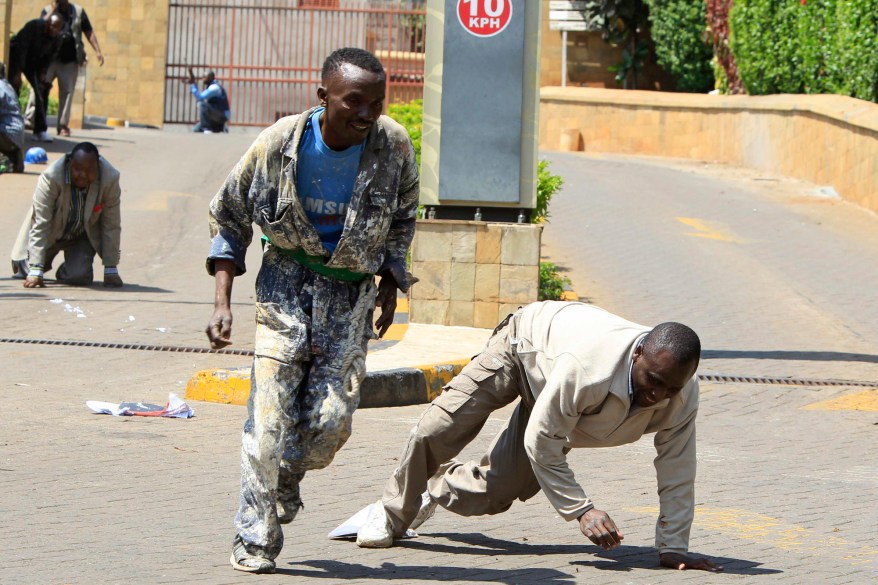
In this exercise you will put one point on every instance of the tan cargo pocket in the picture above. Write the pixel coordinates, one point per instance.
(280, 336)
(459, 390)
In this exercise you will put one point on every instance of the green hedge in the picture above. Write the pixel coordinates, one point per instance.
(821, 46)
(678, 29)
(411, 116)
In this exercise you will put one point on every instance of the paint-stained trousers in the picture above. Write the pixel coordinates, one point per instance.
(504, 474)
(299, 415)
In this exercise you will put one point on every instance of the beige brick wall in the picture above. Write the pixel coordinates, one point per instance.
(133, 38)
(826, 139)
(472, 274)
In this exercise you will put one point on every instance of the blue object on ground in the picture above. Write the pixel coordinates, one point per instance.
(36, 156)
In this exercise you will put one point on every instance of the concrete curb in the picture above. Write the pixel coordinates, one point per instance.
(395, 387)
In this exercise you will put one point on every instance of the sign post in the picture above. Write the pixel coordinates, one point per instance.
(481, 96)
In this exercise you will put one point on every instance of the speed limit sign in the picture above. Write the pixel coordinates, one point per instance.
(484, 18)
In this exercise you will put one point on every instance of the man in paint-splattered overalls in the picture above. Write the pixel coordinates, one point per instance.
(335, 192)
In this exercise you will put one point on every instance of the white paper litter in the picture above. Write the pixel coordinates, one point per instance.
(175, 408)
(350, 527)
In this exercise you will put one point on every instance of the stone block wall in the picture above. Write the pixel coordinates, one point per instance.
(473, 273)
(829, 140)
(133, 37)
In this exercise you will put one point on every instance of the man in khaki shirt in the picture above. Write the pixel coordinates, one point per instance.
(586, 378)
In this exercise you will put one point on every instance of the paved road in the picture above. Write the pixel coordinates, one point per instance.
(786, 491)
(776, 280)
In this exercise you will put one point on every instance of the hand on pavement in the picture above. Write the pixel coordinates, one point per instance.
(219, 330)
(600, 529)
(34, 282)
(683, 562)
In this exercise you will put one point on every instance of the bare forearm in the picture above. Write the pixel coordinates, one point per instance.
(225, 276)
(93, 41)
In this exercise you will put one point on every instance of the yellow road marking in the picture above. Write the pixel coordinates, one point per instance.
(866, 400)
(402, 304)
(703, 230)
(157, 200)
(395, 332)
(223, 386)
(765, 530)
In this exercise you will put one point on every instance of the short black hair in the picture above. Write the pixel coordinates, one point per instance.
(354, 56)
(86, 147)
(681, 341)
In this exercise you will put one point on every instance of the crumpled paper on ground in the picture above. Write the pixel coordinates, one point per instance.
(175, 408)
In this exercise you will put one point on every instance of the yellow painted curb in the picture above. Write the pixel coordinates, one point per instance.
(866, 401)
(438, 375)
(569, 295)
(117, 122)
(223, 386)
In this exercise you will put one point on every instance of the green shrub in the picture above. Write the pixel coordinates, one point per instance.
(411, 116)
(547, 185)
(678, 30)
(551, 283)
(821, 46)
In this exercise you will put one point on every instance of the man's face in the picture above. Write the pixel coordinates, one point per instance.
(354, 98)
(83, 169)
(55, 25)
(208, 79)
(658, 376)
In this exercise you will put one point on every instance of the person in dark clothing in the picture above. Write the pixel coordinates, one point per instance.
(213, 104)
(11, 124)
(70, 57)
(30, 52)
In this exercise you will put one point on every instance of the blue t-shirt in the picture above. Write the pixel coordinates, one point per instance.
(325, 181)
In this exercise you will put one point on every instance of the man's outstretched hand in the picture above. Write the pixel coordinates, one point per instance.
(600, 529)
(386, 300)
(683, 562)
(219, 329)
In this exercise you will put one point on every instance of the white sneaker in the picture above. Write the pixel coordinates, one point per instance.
(428, 508)
(43, 137)
(376, 532)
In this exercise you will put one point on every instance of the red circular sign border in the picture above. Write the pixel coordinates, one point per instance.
(511, 8)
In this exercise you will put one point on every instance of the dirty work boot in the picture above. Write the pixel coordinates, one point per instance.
(426, 511)
(243, 561)
(376, 532)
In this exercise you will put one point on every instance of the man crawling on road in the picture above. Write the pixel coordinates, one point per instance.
(585, 378)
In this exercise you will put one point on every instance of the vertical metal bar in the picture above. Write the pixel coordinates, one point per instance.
(231, 66)
(564, 58)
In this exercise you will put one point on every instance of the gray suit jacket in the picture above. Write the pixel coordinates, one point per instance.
(44, 224)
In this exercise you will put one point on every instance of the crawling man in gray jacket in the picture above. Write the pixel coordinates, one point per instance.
(586, 378)
(76, 210)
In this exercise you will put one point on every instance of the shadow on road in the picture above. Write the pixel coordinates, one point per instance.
(336, 571)
(629, 558)
(810, 356)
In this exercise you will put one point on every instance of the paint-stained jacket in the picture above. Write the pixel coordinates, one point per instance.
(261, 189)
(577, 360)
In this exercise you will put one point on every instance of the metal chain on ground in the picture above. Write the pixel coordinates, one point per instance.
(132, 346)
(356, 359)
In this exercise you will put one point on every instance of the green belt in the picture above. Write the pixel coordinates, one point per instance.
(317, 264)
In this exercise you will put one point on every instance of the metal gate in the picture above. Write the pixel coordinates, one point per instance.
(268, 54)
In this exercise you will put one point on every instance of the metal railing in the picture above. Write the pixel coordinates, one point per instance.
(268, 54)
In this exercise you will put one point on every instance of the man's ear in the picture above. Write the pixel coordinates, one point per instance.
(321, 95)
(638, 351)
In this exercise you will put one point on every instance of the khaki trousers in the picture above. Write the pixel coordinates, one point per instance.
(490, 381)
(66, 74)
